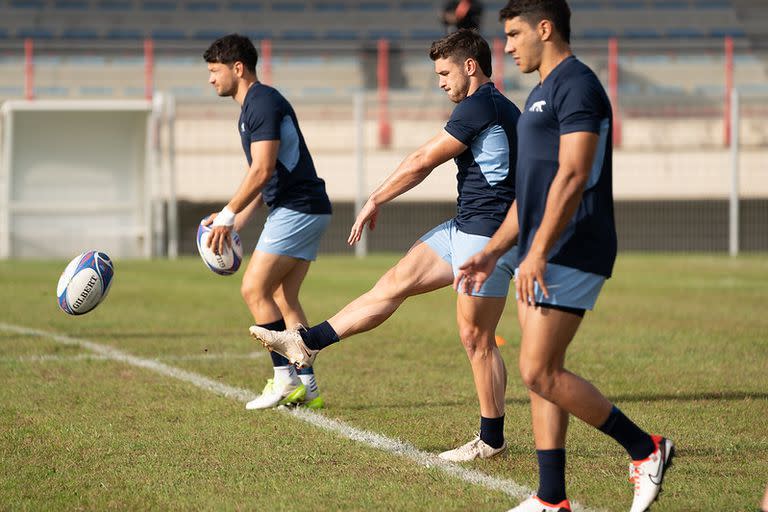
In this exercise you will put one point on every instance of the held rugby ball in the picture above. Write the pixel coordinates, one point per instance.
(85, 282)
(225, 263)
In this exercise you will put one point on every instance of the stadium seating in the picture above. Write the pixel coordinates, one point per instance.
(347, 20)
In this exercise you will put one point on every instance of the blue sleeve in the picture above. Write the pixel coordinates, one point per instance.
(581, 106)
(263, 120)
(466, 122)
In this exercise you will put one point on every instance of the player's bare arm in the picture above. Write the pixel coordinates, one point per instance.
(412, 171)
(264, 160)
(242, 217)
(577, 152)
(476, 270)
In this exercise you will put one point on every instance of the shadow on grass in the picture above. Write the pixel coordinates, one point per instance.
(650, 397)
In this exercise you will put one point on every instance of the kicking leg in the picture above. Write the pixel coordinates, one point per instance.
(421, 270)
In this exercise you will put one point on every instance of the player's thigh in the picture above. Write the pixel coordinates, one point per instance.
(421, 270)
(266, 271)
(478, 317)
(546, 335)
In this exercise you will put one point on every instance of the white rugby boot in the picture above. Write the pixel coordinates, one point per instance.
(287, 343)
(281, 392)
(534, 504)
(647, 474)
(475, 449)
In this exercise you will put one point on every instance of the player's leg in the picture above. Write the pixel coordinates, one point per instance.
(261, 280)
(424, 268)
(421, 270)
(477, 319)
(547, 332)
(287, 298)
(478, 315)
(287, 295)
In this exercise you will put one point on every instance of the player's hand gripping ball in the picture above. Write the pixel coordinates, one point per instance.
(230, 258)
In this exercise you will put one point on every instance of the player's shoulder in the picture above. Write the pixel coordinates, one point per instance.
(575, 73)
(264, 97)
(482, 104)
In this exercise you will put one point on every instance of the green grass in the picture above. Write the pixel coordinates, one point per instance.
(680, 342)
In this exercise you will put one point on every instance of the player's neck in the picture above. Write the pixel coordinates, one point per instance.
(243, 87)
(475, 84)
(553, 55)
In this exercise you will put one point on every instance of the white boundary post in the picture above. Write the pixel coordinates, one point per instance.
(361, 248)
(5, 187)
(733, 231)
(173, 211)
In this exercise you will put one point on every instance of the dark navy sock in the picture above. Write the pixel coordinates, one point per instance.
(277, 359)
(492, 431)
(551, 475)
(305, 371)
(319, 336)
(637, 442)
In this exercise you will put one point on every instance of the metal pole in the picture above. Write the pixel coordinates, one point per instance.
(498, 64)
(173, 215)
(29, 69)
(733, 245)
(266, 61)
(361, 249)
(728, 113)
(382, 75)
(613, 88)
(149, 68)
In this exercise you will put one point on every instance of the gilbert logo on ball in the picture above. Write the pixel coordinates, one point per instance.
(230, 258)
(85, 282)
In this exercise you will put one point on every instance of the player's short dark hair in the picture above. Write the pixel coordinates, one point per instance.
(464, 44)
(233, 48)
(533, 11)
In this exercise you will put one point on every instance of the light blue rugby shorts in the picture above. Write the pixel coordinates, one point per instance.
(456, 247)
(568, 287)
(291, 233)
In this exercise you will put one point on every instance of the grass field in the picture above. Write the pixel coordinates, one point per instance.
(680, 342)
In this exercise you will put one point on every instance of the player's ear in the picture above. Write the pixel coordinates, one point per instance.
(545, 30)
(238, 68)
(470, 66)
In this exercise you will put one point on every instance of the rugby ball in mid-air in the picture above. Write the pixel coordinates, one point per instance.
(85, 282)
(225, 263)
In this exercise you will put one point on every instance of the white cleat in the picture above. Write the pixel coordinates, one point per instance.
(648, 474)
(534, 504)
(280, 393)
(475, 449)
(286, 343)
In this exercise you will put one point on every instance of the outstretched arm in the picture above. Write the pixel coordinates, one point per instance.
(412, 171)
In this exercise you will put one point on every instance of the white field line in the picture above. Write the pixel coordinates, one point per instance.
(93, 357)
(371, 439)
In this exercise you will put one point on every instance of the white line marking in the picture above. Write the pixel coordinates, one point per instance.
(91, 357)
(371, 439)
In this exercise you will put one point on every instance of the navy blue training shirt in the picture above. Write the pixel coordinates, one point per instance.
(571, 99)
(484, 122)
(267, 115)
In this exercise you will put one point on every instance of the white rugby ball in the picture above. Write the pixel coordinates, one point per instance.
(85, 282)
(225, 263)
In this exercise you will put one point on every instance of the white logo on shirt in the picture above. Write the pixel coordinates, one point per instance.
(538, 106)
(242, 127)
